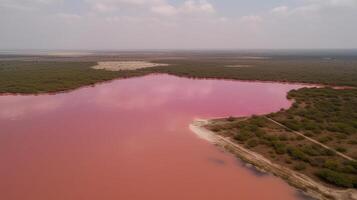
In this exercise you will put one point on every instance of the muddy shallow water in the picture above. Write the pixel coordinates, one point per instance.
(129, 139)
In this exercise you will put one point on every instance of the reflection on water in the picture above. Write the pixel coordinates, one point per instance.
(217, 161)
(129, 139)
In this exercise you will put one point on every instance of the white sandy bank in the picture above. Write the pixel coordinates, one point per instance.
(125, 65)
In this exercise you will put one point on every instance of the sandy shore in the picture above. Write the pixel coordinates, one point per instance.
(305, 184)
(125, 65)
(238, 66)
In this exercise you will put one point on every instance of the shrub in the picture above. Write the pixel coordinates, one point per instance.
(308, 134)
(252, 143)
(328, 152)
(332, 165)
(260, 132)
(311, 150)
(215, 129)
(341, 149)
(352, 163)
(259, 121)
(336, 178)
(317, 162)
(354, 142)
(283, 137)
(279, 147)
(300, 166)
(300, 137)
(253, 127)
(297, 154)
(288, 161)
(231, 119)
(243, 136)
(325, 139)
(271, 138)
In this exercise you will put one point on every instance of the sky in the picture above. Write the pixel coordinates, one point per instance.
(177, 24)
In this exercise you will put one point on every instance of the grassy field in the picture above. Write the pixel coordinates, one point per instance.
(326, 115)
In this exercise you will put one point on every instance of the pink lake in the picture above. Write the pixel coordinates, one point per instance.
(130, 140)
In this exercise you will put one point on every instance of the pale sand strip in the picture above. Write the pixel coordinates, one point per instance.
(125, 65)
(305, 184)
(238, 66)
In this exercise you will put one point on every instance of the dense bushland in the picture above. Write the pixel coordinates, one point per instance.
(324, 114)
(37, 77)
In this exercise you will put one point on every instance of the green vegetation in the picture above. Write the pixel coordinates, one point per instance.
(324, 114)
(56, 74)
(337, 178)
(36, 77)
(304, 70)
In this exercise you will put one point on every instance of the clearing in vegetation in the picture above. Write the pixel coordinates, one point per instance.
(125, 65)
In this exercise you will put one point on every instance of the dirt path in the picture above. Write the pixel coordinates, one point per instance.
(310, 139)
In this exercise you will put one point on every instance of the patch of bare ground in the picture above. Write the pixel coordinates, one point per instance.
(238, 66)
(125, 65)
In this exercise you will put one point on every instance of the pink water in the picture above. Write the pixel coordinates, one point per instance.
(129, 140)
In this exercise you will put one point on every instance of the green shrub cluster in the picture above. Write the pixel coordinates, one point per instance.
(337, 178)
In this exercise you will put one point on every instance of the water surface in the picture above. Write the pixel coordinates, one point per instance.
(129, 139)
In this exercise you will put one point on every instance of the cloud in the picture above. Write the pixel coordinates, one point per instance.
(26, 4)
(334, 3)
(200, 6)
(280, 10)
(165, 24)
(188, 7)
(253, 19)
(315, 7)
(164, 9)
(159, 7)
(69, 17)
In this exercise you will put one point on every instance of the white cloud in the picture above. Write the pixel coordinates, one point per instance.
(101, 7)
(280, 10)
(69, 17)
(167, 10)
(200, 6)
(334, 3)
(315, 7)
(26, 4)
(252, 19)
(160, 7)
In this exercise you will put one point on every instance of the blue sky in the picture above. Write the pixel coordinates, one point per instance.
(177, 24)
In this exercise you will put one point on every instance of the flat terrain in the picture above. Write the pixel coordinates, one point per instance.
(303, 70)
(125, 65)
(326, 151)
(39, 74)
(317, 136)
(29, 77)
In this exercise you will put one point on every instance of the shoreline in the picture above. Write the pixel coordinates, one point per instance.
(301, 182)
(302, 84)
